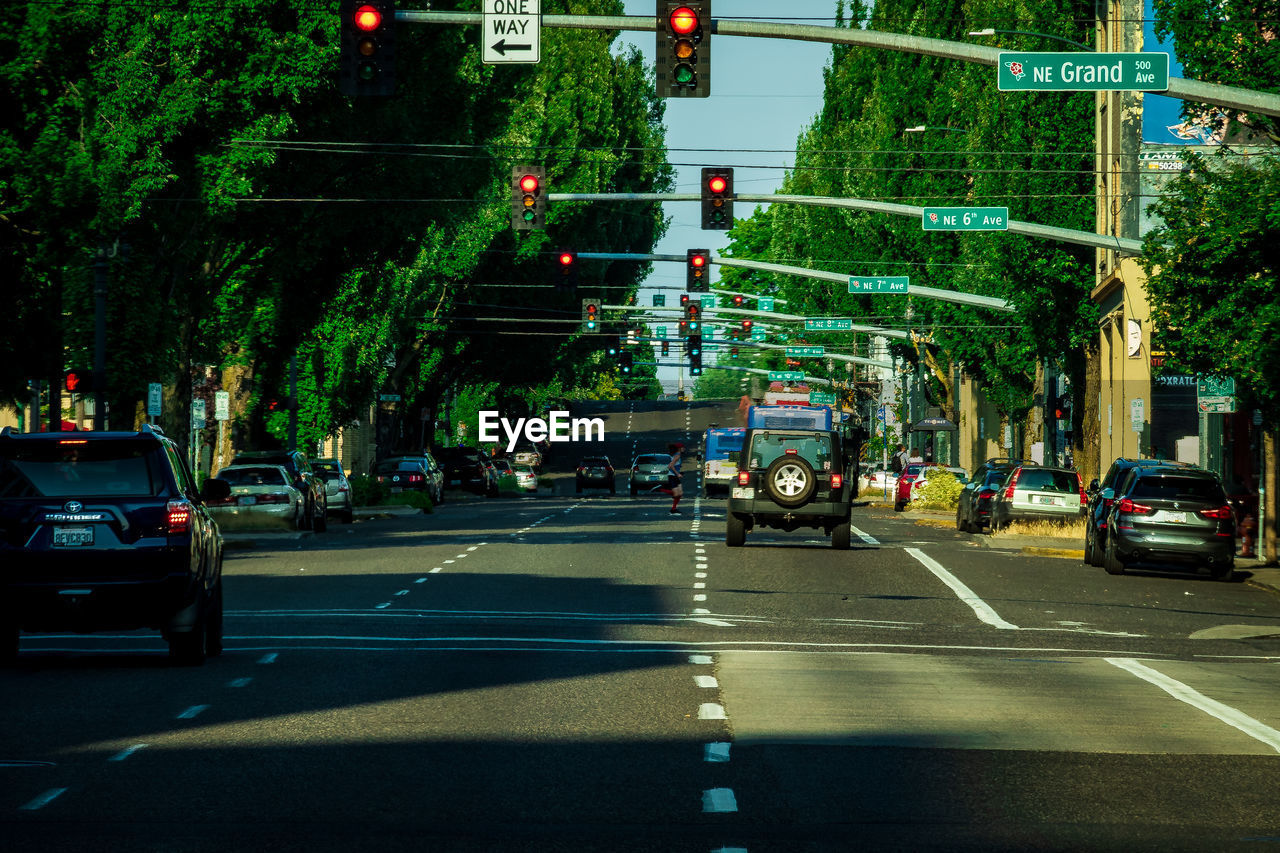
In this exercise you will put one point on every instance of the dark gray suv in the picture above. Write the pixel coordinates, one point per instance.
(106, 531)
(788, 479)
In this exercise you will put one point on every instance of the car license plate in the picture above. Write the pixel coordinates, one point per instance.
(455, 482)
(1175, 517)
(1051, 501)
(72, 536)
(747, 493)
(247, 500)
(396, 489)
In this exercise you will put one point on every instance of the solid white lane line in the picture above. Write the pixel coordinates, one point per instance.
(707, 681)
(44, 799)
(193, 712)
(125, 753)
(1232, 717)
(719, 800)
(980, 608)
(717, 752)
(865, 537)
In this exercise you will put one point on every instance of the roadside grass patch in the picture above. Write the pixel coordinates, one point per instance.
(1055, 529)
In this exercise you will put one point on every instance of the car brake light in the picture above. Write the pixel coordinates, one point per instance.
(986, 493)
(178, 517)
(744, 477)
(1008, 493)
(792, 451)
(837, 481)
(415, 478)
(1084, 498)
(1221, 512)
(1127, 505)
(274, 498)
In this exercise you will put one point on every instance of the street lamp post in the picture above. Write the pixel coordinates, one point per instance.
(921, 128)
(990, 32)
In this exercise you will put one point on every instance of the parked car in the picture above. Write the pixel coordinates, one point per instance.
(433, 471)
(503, 467)
(1171, 515)
(1035, 493)
(902, 495)
(468, 468)
(526, 478)
(301, 475)
(879, 478)
(973, 510)
(647, 471)
(596, 472)
(337, 489)
(260, 494)
(527, 454)
(403, 475)
(106, 531)
(1101, 496)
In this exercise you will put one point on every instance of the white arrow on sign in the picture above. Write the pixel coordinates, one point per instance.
(511, 31)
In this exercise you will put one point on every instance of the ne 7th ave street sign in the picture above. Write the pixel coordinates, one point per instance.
(882, 284)
(511, 31)
(1082, 72)
(965, 219)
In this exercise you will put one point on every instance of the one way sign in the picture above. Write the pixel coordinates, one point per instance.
(512, 31)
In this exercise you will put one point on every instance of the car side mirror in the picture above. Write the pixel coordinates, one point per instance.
(1108, 493)
(1093, 485)
(215, 490)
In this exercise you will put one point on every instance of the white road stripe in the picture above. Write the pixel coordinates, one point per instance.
(700, 659)
(983, 610)
(716, 752)
(719, 800)
(711, 711)
(1232, 717)
(125, 753)
(865, 537)
(705, 681)
(239, 682)
(193, 712)
(269, 657)
(44, 799)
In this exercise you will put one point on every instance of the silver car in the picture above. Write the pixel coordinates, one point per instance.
(261, 495)
(336, 487)
(1033, 493)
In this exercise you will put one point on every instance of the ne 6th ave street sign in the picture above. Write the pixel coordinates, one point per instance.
(1082, 72)
(881, 284)
(965, 219)
(511, 31)
(806, 352)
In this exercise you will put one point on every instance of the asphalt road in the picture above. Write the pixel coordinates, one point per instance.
(589, 672)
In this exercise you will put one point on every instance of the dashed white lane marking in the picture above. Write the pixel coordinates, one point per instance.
(421, 580)
(865, 537)
(983, 610)
(436, 570)
(730, 850)
(269, 657)
(716, 752)
(707, 681)
(700, 597)
(193, 712)
(473, 547)
(44, 799)
(384, 605)
(1232, 717)
(239, 682)
(126, 752)
(447, 562)
(403, 592)
(719, 800)
(699, 574)
(700, 659)
(711, 711)
(700, 584)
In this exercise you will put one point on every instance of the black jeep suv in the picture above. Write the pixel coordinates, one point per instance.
(106, 531)
(793, 478)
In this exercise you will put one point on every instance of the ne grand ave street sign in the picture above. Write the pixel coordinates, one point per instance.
(1082, 72)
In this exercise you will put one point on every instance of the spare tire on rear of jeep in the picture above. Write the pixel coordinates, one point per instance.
(790, 481)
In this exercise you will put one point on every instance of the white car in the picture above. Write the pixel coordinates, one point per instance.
(525, 478)
(877, 478)
(260, 494)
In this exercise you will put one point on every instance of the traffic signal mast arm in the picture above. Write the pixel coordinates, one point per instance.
(676, 313)
(1229, 97)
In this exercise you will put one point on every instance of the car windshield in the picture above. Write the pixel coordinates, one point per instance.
(79, 468)
(1173, 488)
(595, 462)
(1047, 480)
(653, 459)
(392, 467)
(266, 475)
(814, 448)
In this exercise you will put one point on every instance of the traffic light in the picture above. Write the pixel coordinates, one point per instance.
(684, 328)
(695, 355)
(615, 347)
(567, 263)
(625, 362)
(693, 316)
(697, 265)
(684, 299)
(78, 381)
(717, 199)
(1062, 407)
(737, 300)
(591, 315)
(733, 352)
(528, 202)
(368, 65)
(683, 52)
(666, 347)
(746, 327)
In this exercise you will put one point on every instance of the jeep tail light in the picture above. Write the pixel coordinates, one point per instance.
(744, 477)
(1127, 505)
(1220, 513)
(1013, 482)
(837, 481)
(177, 517)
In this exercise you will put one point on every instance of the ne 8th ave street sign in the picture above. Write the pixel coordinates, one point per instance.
(511, 31)
(965, 219)
(1082, 72)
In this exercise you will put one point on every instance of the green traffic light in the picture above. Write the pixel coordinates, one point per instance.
(367, 71)
(683, 75)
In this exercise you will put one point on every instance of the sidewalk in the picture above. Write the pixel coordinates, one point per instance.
(1263, 577)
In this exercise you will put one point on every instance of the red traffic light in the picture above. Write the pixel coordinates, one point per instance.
(683, 21)
(746, 325)
(698, 260)
(566, 259)
(367, 18)
(717, 184)
(693, 309)
(73, 381)
(684, 299)
(737, 300)
(529, 183)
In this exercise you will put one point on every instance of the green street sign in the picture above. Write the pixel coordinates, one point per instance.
(708, 333)
(1082, 72)
(821, 398)
(828, 324)
(659, 300)
(965, 219)
(879, 284)
(764, 303)
(659, 331)
(785, 375)
(806, 352)
(759, 336)
(1215, 386)
(708, 302)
